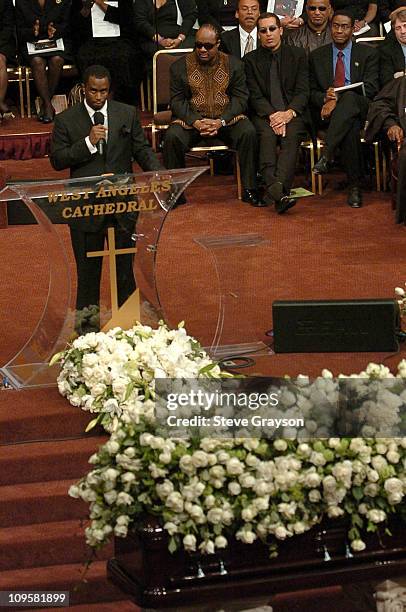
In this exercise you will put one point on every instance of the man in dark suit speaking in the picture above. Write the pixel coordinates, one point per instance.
(94, 137)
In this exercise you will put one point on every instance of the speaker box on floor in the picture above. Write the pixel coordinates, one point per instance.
(335, 326)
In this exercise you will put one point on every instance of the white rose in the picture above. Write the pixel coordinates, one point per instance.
(207, 547)
(379, 463)
(209, 501)
(175, 501)
(110, 474)
(171, 528)
(358, 545)
(376, 516)
(186, 464)
(247, 481)
(110, 496)
(125, 499)
(189, 542)
(246, 536)
(314, 496)
(234, 488)
(371, 489)
(393, 457)
(317, 458)
(234, 466)
(312, 480)
(280, 445)
(299, 527)
(248, 514)
(200, 459)
(112, 447)
(120, 531)
(215, 515)
(164, 489)
(220, 542)
(393, 485)
(329, 483)
(334, 511)
(281, 532)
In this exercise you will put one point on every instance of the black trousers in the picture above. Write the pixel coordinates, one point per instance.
(241, 137)
(401, 188)
(343, 132)
(274, 165)
(89, 269)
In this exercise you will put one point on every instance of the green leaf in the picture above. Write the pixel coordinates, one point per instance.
(129, 390)
(358, 493)
(57, 357)
(93, 423)
(172, 546)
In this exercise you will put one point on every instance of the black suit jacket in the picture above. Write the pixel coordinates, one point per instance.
(391, 60)
(181, 93)
(294, 78)
(230, 42)
(125, 141)
(364, 67)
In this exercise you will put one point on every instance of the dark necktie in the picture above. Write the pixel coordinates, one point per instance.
(339, 77)
(276, 98)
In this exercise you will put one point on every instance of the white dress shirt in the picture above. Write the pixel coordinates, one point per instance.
(91, 111)
(244, 37)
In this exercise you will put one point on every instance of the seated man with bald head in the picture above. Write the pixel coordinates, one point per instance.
(316, 32)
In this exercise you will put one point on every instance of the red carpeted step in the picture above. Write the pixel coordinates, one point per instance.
(91, 587)
(44, 461)
(37, 502)
(38, 414)
(46, 544)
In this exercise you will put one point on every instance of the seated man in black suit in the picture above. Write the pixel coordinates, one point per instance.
(208, 100)
(387, 116)
(343, 114)
(392, 52)
(278, 82)
(243, 39)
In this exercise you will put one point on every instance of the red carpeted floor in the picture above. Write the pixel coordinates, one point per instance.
(321, 249)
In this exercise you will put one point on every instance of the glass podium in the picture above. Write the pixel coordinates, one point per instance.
(141, 205)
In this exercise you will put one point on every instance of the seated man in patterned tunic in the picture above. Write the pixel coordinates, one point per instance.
(208, 100)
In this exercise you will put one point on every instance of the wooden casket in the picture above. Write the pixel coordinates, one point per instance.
(156, 579)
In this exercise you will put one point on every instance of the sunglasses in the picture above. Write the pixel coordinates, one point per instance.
(317, 8)
(203, 45)
(271, 28)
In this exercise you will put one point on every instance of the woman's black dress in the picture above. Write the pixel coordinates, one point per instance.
(166, 23)
(55, 11)
(119, 54)
(7, 30)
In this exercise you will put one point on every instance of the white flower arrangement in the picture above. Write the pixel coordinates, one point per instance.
(113, 374)
(207, 491)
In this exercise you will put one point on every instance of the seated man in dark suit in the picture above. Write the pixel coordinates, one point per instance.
(343, 114)
(278, 82)
(392, 52)
(243, 39)
(208, 99)
(387, 116)
(316, 31)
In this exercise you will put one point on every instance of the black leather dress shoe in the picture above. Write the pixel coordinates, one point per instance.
(354, 197)
(275, 191)
(322, 166)
(284, 204)
(251, 197)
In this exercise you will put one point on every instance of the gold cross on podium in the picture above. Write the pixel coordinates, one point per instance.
(129, 312)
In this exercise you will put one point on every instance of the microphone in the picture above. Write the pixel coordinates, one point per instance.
(98, 119)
